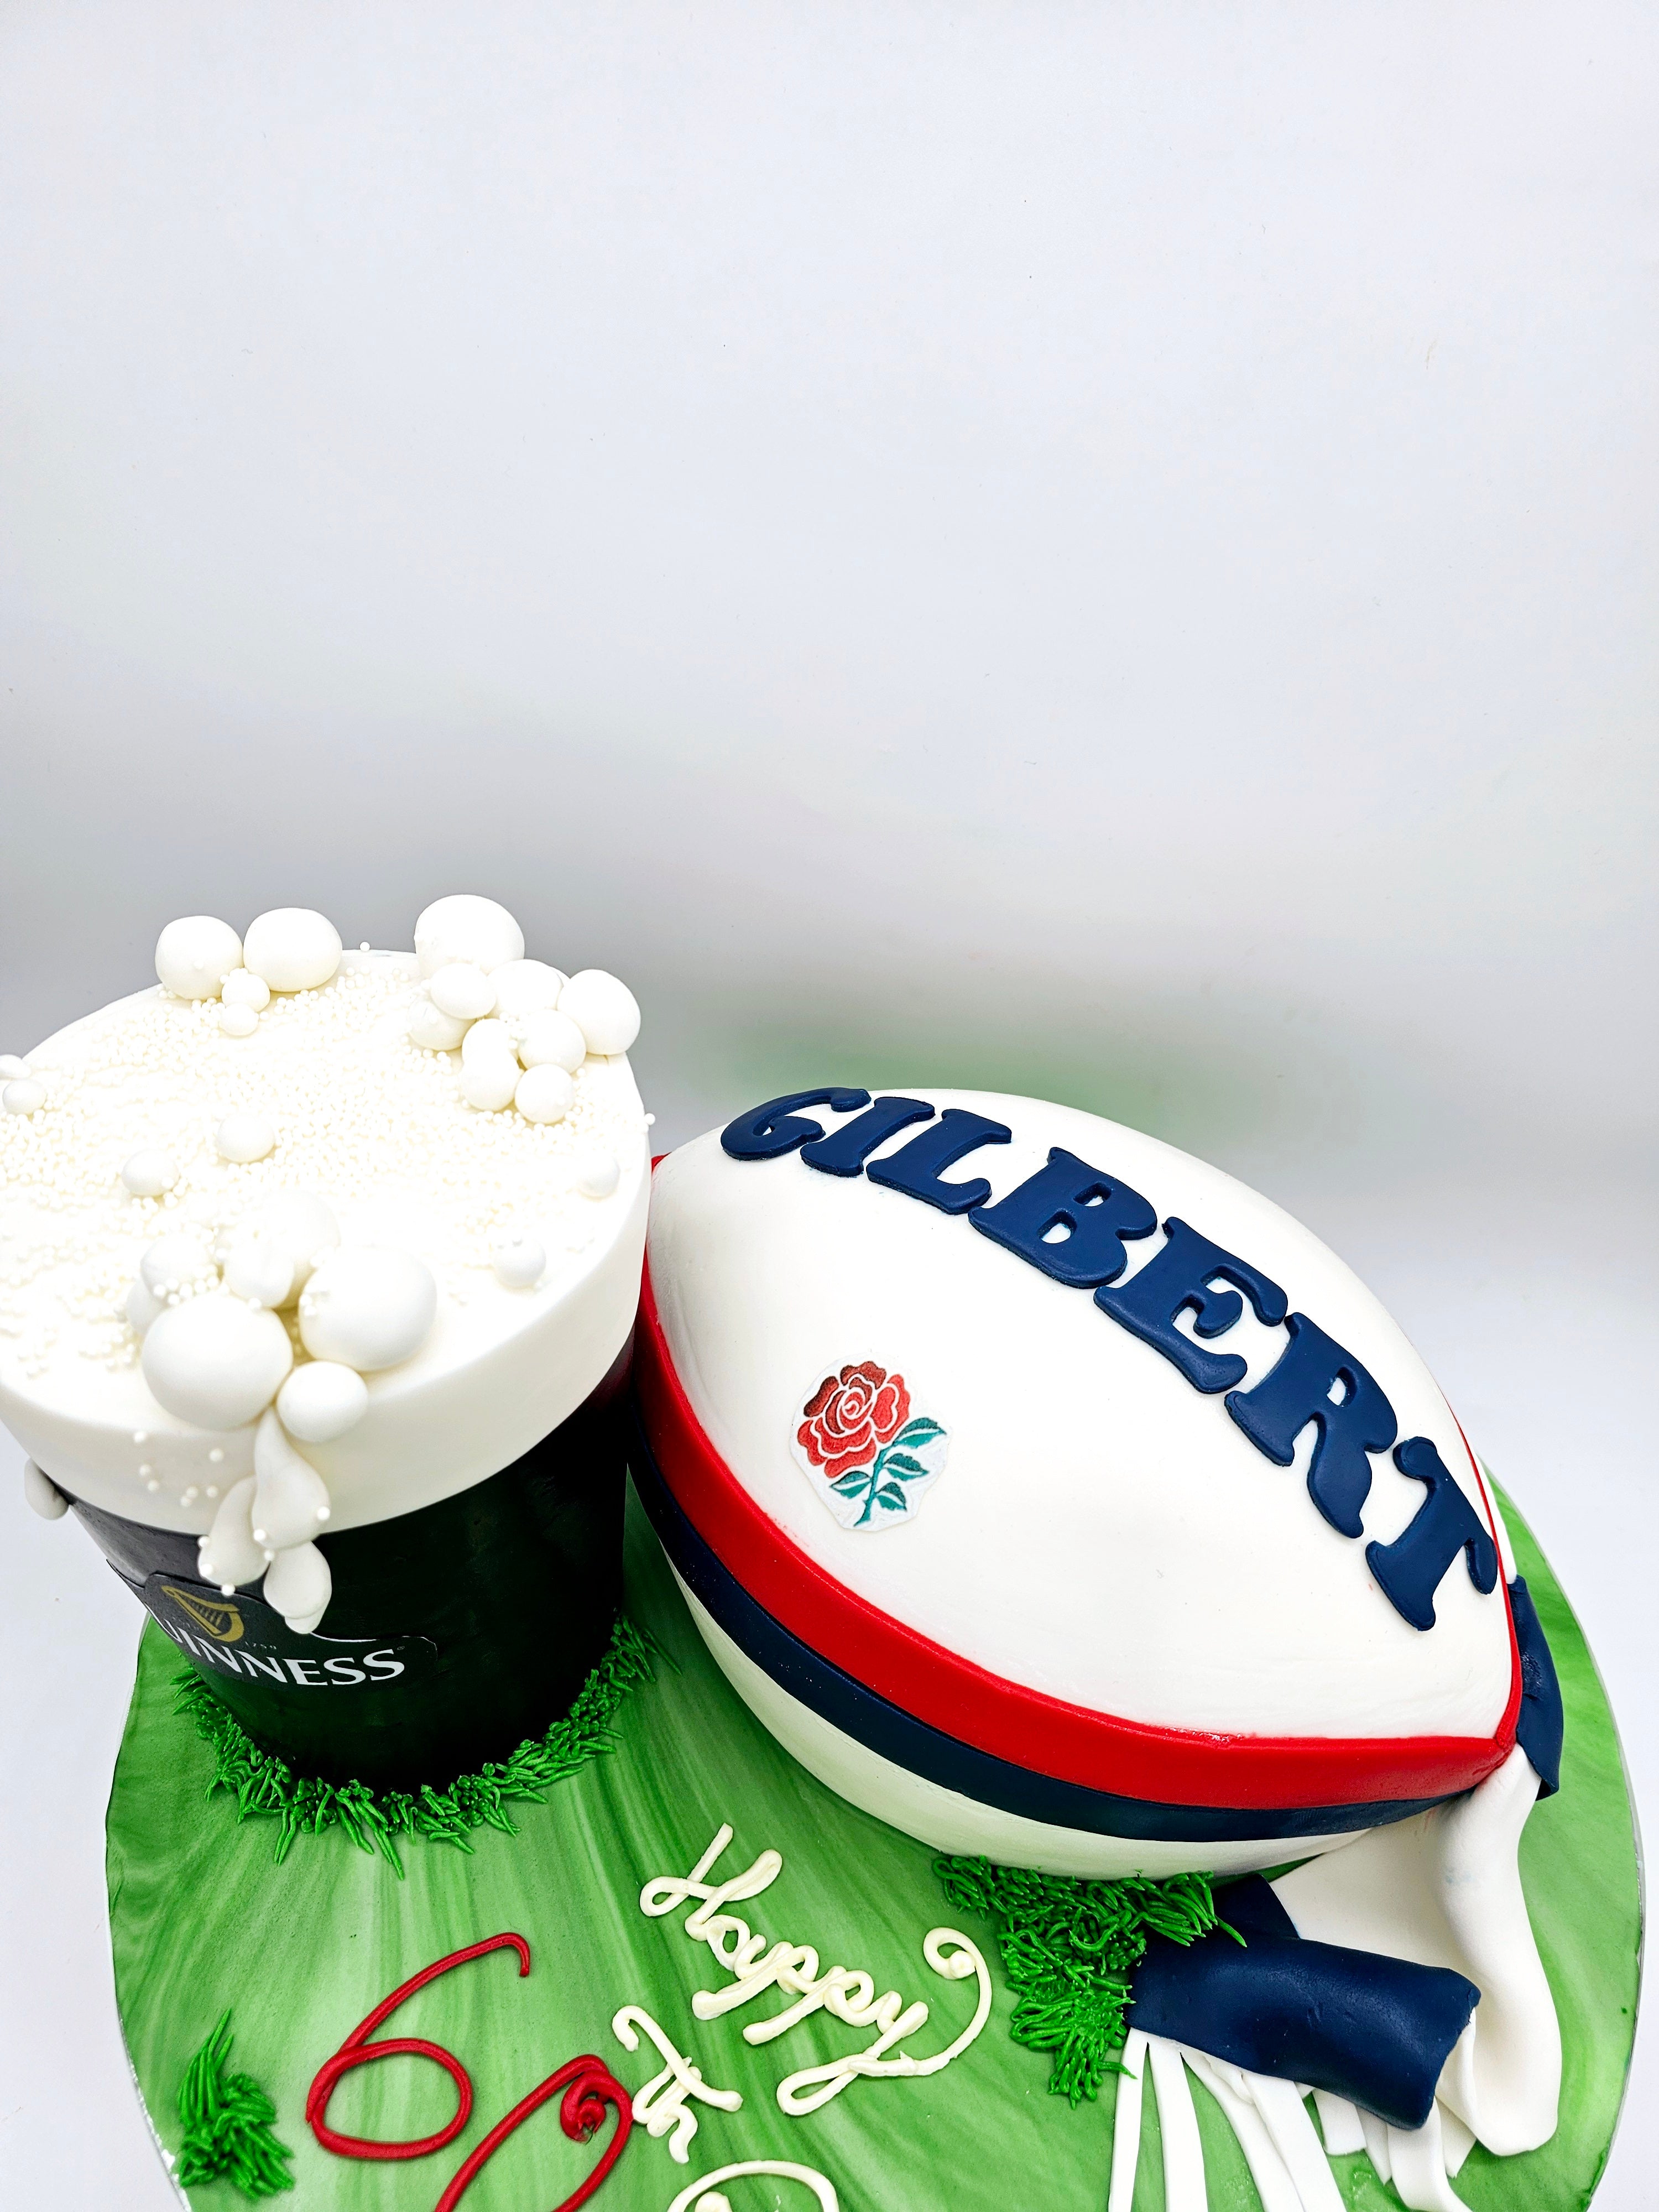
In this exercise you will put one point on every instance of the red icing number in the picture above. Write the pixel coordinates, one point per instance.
(587, 2084)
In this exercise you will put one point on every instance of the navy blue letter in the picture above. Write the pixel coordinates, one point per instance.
(769, 1131)
(1412, 1569)
(916, 1168)
(844, 1152)
(1273, 1415)
(1069, 1194)
(1178, 1279)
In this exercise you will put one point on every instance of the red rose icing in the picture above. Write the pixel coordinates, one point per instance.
(851, 1415)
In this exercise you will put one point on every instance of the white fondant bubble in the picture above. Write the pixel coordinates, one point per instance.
(150, 1172)
(466, 927)
(605, 1010)
(290, 1499)
(194, 956)
(242, 987)
(257, 1269)
(238, 1021)
(24, 1095)
(597, 1173)
(214, 1362)
(11, 1067)
(244, 1137)
(43, 1496)
(300, 1224)
(143, 1306)
(431, 1030)
(527, 986)
(461, 990)
(292, 948)
(551, 1039)
(322, 1400)
(228, 1554)
(299, 1585)
(367, 1308)
(488, 1082)
(544, 1093)
(519, 1259)
(486, 1039)
(175, 1263)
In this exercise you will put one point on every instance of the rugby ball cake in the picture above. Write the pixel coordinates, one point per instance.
(1051, 1495)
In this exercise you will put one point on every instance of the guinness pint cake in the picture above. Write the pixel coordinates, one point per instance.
(319, 1274)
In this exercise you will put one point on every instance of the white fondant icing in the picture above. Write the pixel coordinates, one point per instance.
(244, 1137)
(461, 990)
(367, 1308)
(381, 1143)
(292, 948)
(488, 1082)
(551, 1039)
(952, 1822)
(236, 1021)
(42, 1494)
(1125, 2123)
(1339, 2121)
(1090, 1483)
(520, 1259)
(545, 1093)
(142, 1306)
(242, 987)
(431, 1030)
(321, 1400)
(194, 956)
(214, 1362)
(1228, 2086)
(488, 1040)
(597, 1173)
(525, 988)
(605, 1010)
(12, 1067)
(1444, 1889)
(228, 1554)
(149, 1172)
(178, 1266)
(300, 1224)
(290, 1499)
(257, 1269)
(299, 1585)
(23, 1096)
(466, 927)
(1183, 2149)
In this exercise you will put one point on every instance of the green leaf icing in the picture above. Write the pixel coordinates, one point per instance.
(227, 2120)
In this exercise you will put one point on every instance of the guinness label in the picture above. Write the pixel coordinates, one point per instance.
(242, 1635)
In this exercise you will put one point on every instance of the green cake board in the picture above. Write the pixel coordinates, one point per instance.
(202, 1918)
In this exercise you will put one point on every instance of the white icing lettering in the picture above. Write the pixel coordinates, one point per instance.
(847, 1994)
(382, 1666)
(344, 1670)
(702, 2196)
(661, 2108)
(296, 1667)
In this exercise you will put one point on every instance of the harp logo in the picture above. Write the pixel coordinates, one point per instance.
(223, 1623)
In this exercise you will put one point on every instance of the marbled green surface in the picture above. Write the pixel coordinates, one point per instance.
(202, 1918)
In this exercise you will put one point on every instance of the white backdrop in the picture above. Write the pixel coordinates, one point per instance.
(1101, 551)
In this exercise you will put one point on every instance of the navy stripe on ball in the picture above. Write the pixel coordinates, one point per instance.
(894, 1735)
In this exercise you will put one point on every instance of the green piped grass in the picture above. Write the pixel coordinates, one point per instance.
(1069, 1948)
(263, 1786)
(228, 2122)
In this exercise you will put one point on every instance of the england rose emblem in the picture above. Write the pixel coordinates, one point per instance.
(869, 1460)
